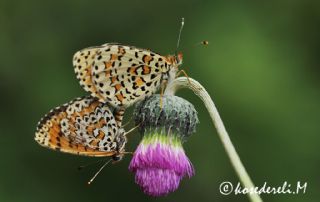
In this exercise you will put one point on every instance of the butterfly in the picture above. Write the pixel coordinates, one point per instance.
(84, 126)
(123, 75)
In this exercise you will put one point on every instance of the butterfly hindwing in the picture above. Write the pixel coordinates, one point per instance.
(83, 126)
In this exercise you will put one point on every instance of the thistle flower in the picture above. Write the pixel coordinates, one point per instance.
(160, 163)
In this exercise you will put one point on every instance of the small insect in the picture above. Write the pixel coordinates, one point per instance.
(83, 126)
(205, 42)
(122, 75)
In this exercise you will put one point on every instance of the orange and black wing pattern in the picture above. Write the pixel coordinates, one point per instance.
(83, 126)
(120, 75)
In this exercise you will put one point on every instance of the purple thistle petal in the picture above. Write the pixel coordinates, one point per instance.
(159, 164)
(157, 181)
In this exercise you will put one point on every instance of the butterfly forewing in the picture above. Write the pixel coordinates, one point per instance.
(120, 75)
(83, 126)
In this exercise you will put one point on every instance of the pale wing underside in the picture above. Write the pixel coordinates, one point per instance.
(117, 74)
(83, 126)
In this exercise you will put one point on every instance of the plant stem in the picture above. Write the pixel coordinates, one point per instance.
(200, 91)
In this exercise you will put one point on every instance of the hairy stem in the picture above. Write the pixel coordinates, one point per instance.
(199, 90)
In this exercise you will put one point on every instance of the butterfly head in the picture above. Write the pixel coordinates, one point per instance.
(175, 60)
(117, 157)
(178, 58)
(121, 140)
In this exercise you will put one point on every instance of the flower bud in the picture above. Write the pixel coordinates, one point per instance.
(160, 163)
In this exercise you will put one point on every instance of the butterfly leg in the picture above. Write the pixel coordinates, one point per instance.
(127, 123)
(132, 129)
(118, 115)
(185, 74)
(126, 153)
(163, 85)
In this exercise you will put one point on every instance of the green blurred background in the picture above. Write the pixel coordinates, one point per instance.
(261, 68)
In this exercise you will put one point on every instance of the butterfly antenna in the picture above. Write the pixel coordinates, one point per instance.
(89, 164)
(179, 36)
(97, 173)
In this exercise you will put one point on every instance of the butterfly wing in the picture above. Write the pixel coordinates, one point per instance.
(83, 126)
(120, 75)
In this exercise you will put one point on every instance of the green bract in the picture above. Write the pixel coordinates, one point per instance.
(176, 115)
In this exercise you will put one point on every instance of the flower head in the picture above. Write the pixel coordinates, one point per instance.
(160, 163)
